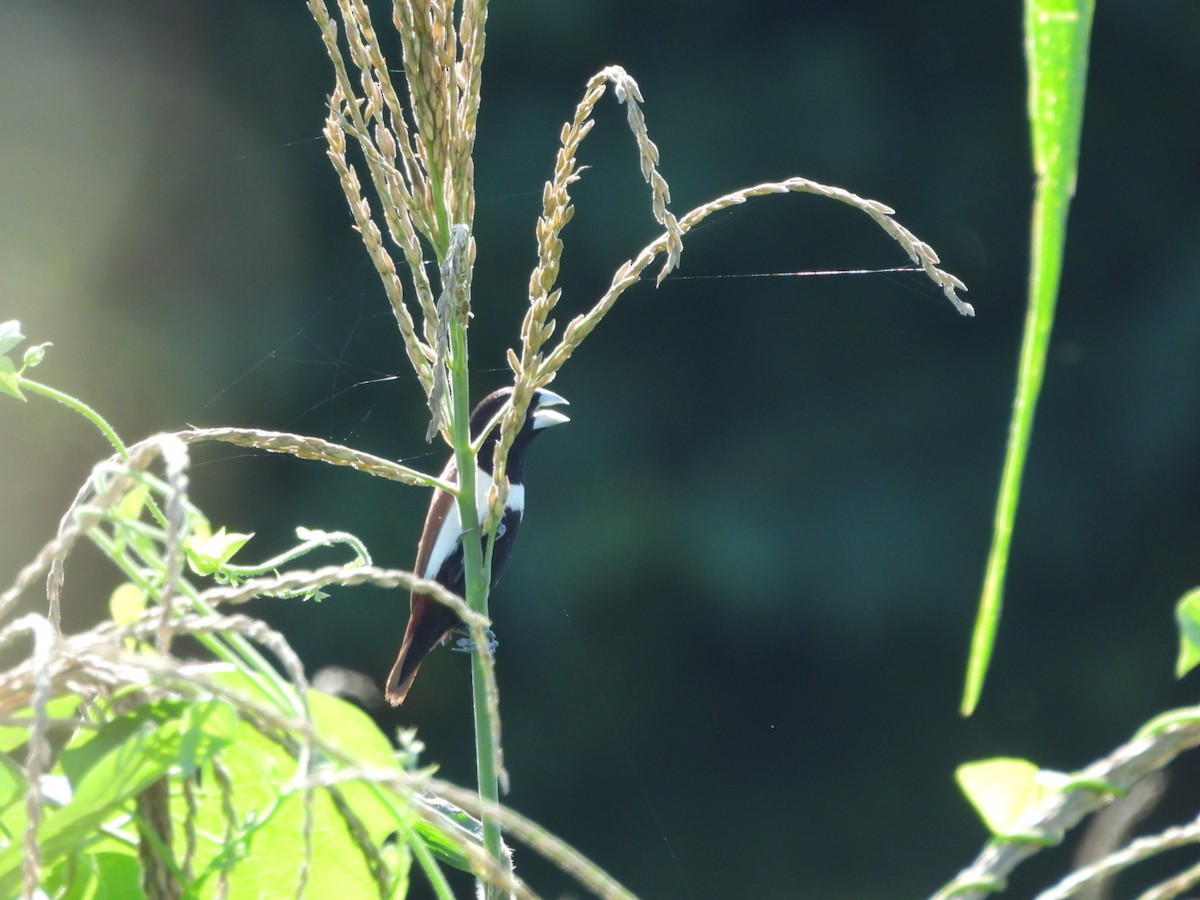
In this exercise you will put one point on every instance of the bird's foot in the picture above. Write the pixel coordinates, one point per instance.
(464, 643)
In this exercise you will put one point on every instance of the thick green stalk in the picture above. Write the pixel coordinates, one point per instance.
(476, 578)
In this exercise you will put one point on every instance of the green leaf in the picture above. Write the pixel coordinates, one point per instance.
(1004, 791)
(1187, 614)
(14, 736)
(116, 764)
(94, 876)
(12, 782)
(351, 730)
(126, 603)
(130, 506)
(166, 732)
(356, 734)
(9, 379)
(263, 857)
(207, 555)
(1057, 33)
(445, 844)
(10, 335)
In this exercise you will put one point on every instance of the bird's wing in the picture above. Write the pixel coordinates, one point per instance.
(441, 507)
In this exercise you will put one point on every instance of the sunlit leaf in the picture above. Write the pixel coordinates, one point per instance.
(126, 603)
(446, 844)
(14, 736)
(93, 876)
(262, 856)
(1187, 614)
(130, 506)
(207, 555)
(1004, 791)
(12, 782)
(117, 763)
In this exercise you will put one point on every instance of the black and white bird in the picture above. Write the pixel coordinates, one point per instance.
(440, 551)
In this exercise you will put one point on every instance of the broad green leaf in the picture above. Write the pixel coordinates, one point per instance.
(14, 736)
(1187, 614)
(1004, 791)
(207, 554)
(351, 730)
(356, 734)
(87, 748)
(263, 858)
(89, 875)
(119, 762)
(12, 785)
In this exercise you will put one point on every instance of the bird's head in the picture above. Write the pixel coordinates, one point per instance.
(540, 416)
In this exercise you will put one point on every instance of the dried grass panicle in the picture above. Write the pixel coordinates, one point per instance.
(429, 46)
(417, 153)
(225, 785)
(557, 209)
(552, 848)
(418, 350)
(918, 251)
(1140, 849)
(191, 807)
(343, 576)
(99, 662)
(469, 70)
(175, 463)
(628, 93)
(154, 829)
(630, 272)
(454, 305)
(305, 447)
(39, 686)
(391, 163)
(1174, 887)
(529, 369)
(533, 368)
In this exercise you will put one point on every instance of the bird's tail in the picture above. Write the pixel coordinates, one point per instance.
(429, 623)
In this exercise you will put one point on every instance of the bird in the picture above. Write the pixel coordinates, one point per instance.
(440, 549)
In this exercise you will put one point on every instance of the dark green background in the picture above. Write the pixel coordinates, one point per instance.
(733, 636)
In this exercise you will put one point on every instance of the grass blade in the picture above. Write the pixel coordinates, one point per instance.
(1056, 51)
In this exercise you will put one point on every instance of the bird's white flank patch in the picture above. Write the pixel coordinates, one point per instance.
(450, 533)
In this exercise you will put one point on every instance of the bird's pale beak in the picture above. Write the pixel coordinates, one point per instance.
(543, 417)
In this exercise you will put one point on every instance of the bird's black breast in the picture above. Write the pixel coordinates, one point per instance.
(506, 537)
(452, 573)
